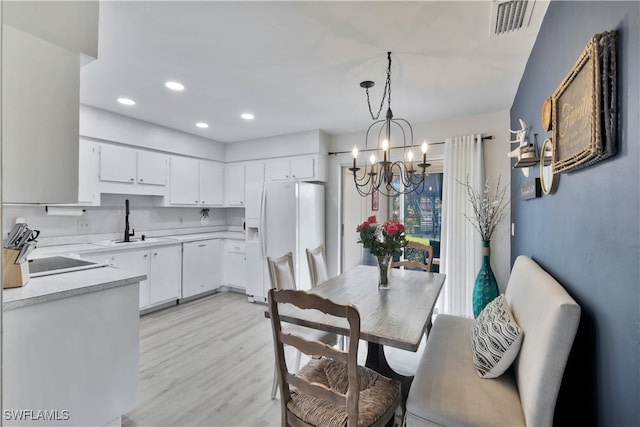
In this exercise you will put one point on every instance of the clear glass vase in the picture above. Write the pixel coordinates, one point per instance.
(485, 288)
(384, 263)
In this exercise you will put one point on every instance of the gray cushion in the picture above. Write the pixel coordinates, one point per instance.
(495, 339)
(447, 391)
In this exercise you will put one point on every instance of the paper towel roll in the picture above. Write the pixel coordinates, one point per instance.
(63, 210)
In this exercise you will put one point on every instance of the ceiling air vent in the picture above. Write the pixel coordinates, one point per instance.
(507, 16)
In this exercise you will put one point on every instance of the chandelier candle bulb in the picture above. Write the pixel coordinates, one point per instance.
(385, 147)
(425, 147)
(410, 158)
(355, 156)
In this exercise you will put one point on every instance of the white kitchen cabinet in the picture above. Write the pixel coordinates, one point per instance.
(234, 184)
(138, 262)
(211, 183)
(280, 170)
(184, 177)
(161, 265)
(254, 173)
(235, 263)
(303, 168)
(151, 168)
(126, 170)
(254, 180)
(194, 182)
(165, 274)
(88, 189)
(201, 267)
(117, 164)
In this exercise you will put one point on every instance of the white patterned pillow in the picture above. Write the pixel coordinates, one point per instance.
(495, 339)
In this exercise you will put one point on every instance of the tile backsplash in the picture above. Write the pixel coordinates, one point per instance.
(108, 219)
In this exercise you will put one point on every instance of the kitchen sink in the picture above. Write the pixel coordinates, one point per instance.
(121, 242)
(60, 264)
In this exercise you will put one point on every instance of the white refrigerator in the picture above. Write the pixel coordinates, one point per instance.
(289, 218)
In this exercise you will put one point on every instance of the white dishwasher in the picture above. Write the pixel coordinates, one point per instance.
(201, 267)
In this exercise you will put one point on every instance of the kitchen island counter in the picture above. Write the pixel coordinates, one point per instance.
(65, 285)
(71, 347)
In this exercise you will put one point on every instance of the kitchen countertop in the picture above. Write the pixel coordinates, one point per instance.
(108, 246)
(65, 285)
(57, 286)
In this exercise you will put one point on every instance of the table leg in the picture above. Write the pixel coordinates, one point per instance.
(377, 361)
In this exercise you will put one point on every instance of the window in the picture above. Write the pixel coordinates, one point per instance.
(421, 213)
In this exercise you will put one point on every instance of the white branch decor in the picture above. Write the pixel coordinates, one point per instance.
(487, 211)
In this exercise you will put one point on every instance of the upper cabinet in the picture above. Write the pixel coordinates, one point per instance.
(211, 183)
(152, 168)
(124, 170)
(42, 43)
(88, 186)
(194, 182)
(303, 168)
(234, 184)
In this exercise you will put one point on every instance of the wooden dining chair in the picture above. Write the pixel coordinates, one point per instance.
(416, 256)
(317, 262)
(282, 275)
(332, 389)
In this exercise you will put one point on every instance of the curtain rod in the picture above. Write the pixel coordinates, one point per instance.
(335, 153)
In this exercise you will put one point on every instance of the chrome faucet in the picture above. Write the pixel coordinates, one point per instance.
(126, 223)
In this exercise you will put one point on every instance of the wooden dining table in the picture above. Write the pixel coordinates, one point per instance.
(395, 317)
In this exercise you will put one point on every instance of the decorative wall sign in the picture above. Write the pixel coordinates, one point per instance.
(530, 190)
(584, 108)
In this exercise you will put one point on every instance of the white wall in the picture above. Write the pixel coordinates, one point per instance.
(497, 164)
(111, 127)
(292, 144)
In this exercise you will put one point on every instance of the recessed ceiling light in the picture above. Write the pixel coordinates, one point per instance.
(174, 85)
(202, 125)
(126, 101)
(247, 116)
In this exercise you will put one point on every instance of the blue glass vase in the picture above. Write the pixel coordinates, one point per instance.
(485, 289)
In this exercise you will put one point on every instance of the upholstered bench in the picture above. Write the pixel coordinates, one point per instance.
(447, 389)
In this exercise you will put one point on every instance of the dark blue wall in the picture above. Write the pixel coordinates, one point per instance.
(587, 234)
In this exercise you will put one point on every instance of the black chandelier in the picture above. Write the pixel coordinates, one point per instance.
(379, 175)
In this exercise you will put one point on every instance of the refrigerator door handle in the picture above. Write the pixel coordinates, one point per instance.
(263, 230)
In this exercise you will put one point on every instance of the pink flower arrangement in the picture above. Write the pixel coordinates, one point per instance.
(386, 239)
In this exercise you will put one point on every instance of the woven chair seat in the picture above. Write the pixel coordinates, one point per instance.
(377, 394)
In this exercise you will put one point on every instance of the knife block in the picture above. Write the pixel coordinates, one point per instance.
(13, 275)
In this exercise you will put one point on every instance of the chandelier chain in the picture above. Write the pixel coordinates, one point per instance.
(386, 93)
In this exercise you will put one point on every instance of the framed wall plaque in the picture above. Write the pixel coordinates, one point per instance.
(584, 108)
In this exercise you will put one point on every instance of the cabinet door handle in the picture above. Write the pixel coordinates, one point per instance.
(203, 202)
(146, 255)
(132, 179)
(155, 254)
(141, 180)
(202, 246)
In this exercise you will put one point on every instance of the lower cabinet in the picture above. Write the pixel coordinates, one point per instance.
(161, 265)
(235, 263)
(201, 266)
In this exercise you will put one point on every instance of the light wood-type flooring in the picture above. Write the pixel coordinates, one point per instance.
(207, 362)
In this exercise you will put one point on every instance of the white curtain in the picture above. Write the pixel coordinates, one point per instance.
(460, 248)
